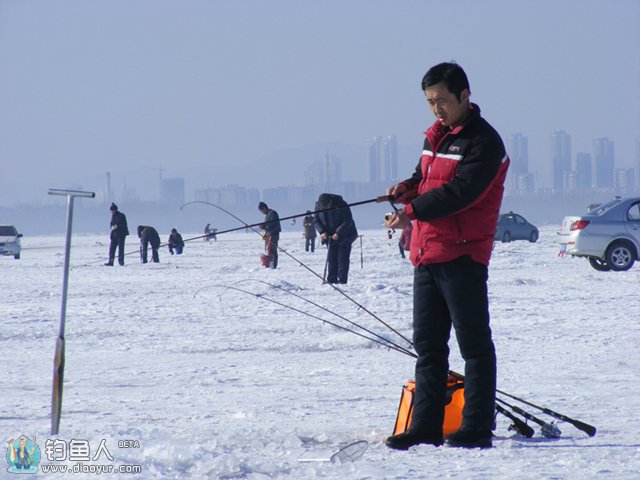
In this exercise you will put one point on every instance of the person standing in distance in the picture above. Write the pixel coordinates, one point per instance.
(454, 199)
(117, 235)
(272, 229)
(309, 232)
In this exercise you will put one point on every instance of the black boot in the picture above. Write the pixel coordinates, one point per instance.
(404, 441)
(466, 438)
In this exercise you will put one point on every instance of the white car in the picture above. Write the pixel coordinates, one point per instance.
(10, 241)
(608, 235)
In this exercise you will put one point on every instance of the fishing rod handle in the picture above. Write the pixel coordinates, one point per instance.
(585, 427)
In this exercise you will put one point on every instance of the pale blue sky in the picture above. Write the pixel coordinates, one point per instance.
(93, 86)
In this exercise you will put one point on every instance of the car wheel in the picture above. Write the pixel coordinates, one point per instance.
(17, 256)
(533, 238)
(599, 264)
(506, 237)
(621, 255)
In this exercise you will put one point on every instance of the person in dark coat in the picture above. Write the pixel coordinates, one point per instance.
(404, 242)
(117, 235)
(337, 229)
(176, 244)
(149, 236)
(309, 232)
(272, 229)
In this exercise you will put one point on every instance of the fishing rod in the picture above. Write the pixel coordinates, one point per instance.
(262, 297)
(548, 430)
(585, 427)
(302, 264)
(379, 199)
(588, 429)
(384, 339)
(518, 425)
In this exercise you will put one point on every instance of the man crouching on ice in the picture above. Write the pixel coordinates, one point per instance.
(453, 199)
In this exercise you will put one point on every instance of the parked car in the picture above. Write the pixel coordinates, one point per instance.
(512, 226)
(608, 234)
(10, 241)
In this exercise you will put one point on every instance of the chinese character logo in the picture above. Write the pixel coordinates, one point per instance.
(23, 455)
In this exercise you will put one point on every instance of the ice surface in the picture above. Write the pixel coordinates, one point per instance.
(214, 383)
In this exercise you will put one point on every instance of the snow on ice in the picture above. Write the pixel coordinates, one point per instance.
(212, 383)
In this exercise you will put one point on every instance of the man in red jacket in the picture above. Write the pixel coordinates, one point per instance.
(454, 199)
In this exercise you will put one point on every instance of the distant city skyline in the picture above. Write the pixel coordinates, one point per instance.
(253, 93)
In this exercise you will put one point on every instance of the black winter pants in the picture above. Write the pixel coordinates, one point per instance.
(338, 259)
(154, 252)
(446, 294)
(117, 243)
(310, 242)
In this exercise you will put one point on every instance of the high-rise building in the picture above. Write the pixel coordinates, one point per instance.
(518, 150)
(560, 157)
(332, 169)
(390, 159)
(583, 169)
(604, 162)
(172, 191)
(373, 156)
(624, 180)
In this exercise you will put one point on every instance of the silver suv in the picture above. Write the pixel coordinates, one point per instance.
(10, 241)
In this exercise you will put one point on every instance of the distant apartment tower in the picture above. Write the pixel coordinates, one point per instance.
(108, 192)
(373, 156)
(525, 183)
(624, 181)
(390, 158)
(332, 169)
(560, 157)
(583, 169)
(604, 162)
(172, 191)
(518, 151)
(314, 174)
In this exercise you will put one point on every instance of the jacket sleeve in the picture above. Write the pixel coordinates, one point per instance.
(474, 175)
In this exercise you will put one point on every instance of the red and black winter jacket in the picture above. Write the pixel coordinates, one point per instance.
(456, 192)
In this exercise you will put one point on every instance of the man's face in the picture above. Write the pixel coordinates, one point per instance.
(445, 106)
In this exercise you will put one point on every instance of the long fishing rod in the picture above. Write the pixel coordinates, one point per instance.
(518, 425)
(384, 339)
(302, 264)
(585, 427)
(262, 297)
(588, 429)
(548, 430)
(380, 199)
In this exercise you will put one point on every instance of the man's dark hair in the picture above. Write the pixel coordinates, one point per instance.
(451, 74)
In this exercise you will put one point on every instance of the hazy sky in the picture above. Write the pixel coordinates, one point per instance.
(93, 86)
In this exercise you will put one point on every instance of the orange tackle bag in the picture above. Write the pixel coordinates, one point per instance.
(452, 409)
